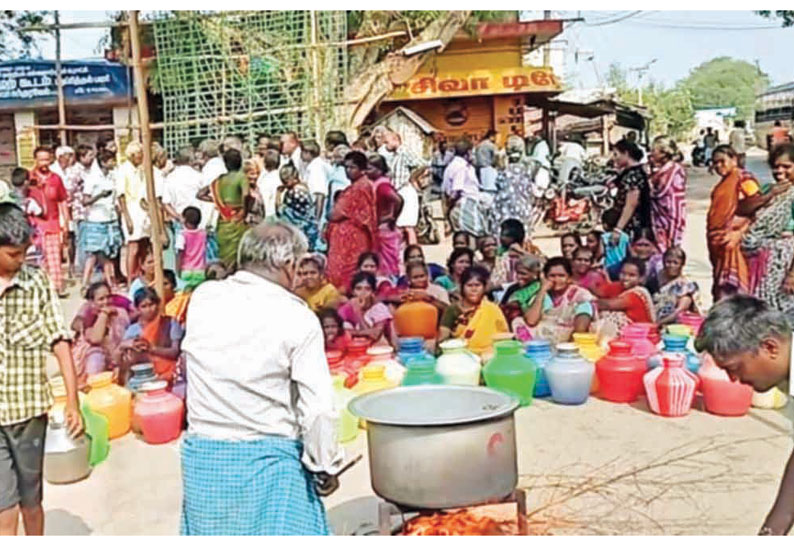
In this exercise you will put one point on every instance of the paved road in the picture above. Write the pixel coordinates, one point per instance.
(633, 472)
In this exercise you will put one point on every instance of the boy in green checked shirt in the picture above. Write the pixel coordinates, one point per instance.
(31, 326)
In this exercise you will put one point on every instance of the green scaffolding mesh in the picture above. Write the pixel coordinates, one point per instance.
(250, 72)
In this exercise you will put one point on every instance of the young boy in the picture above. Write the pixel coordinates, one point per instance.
(31, 326)
(191, 246)
(616, 242)
(20, 192)
(753, 343)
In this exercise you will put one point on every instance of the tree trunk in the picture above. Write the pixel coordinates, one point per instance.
(370, 85)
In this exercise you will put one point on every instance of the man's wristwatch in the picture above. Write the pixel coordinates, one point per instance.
(766, 531)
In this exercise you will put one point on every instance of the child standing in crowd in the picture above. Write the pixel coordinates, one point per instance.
(33, 328)
(191, 246)
(614, 253)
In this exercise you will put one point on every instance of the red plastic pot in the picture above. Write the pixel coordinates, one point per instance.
(726, 398)
(620, 373)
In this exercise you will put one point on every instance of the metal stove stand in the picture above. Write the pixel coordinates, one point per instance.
(388, 509)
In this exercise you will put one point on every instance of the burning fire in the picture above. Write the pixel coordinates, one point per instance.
(458, 523)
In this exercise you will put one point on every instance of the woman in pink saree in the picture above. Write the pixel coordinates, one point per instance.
(668, 194)
(388, 205)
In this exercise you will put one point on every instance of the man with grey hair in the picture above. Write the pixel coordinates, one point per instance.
(753, 343)
(181, 187)
(213, 167)
(261, 443)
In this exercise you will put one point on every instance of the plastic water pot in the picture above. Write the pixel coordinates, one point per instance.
(620, 373)
(670, 389)
(539, 351)
(159, 413)
(458, 366)
(511, 372)
(111, 401)
(570, 376)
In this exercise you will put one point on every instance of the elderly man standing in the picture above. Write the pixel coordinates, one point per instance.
(261, 439)
(753, 343)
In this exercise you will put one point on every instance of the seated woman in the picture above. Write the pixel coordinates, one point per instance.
(154, 339)
(369, 262)
(488, 248)
(461, 239)
(473, 318)
(594, 242)
(677, 293)
(560, 308)
(415, 254)
(102, 324)
(460, 260)
(569, 242)
(593, 280)
(522, 292)
(175, 301)
(146, 278)
(634, 305)
(336, 336)
(362, 315)
(643, 247)
(421, 289)
(313, 286)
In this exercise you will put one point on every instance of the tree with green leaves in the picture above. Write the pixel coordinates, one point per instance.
(786, 17)
(726, 82)
(13, 41)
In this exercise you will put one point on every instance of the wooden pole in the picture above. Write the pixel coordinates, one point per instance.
(146, 139)
(59, 80)
(315, 60)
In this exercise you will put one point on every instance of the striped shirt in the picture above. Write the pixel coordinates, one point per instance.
(31, 321)
(401, 164)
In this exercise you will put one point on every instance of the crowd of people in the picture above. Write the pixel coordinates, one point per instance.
(336, 226)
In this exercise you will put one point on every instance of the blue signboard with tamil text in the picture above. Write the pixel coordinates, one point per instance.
(26, 84)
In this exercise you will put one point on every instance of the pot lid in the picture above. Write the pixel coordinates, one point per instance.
(433, 405)
(154, 385)
(383, 350)
(453, 344)
(141, 367)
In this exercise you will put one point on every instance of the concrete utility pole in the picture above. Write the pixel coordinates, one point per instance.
(59, 80)
(641, 70)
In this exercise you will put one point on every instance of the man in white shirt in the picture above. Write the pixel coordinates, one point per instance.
(291, 151)
(737, 141)
(181, 187)
(261, 439)
(317, 172)
(269, 180)
(466, 205)
(213, 162)
(753, 343)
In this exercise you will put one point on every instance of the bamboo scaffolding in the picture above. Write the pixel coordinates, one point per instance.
(155, 214)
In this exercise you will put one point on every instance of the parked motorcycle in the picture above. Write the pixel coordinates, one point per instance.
(578, 196)
(698, 154)
(426, 228)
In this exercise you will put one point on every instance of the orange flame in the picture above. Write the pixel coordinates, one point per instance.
(459, 523)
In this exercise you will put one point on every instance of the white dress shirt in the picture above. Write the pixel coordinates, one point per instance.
(317, 176)
(213, 169)
(459, 176)
(181, 188)
(296, 160)
(267, 184)
(256, 367)
(94, 183)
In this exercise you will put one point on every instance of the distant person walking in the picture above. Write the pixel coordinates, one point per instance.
(737, 141)
(779, 135)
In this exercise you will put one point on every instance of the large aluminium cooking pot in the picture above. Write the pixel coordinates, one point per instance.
(440, 446)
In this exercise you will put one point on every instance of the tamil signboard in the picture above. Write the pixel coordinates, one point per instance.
(28, 84)
(517, 80)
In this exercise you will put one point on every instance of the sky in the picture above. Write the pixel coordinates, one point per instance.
(678, 40)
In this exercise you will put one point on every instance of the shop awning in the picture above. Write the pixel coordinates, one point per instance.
(28, 84)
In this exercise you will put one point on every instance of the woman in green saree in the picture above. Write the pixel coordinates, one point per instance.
(229, 192)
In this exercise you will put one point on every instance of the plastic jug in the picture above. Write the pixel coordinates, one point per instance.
(678, 344)
(570, 376)
(721, 396)
(670, 388)
(159, 414)
(641, 345)
(511, 372)
(372, 378)
(679, 329)
(416, 319)
(335, 360)
(384, 355)
(111, 401)
(590, 350)
(141, 373)
(422, 371)
(458, 366)
(539, 351)
(771, 399)
(694, 321)
(65, 458)
(347, 428)
(620, 373)
(356, 357)
(96, 429)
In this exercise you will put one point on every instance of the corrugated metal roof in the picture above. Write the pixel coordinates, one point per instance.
(779, 88)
